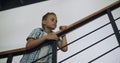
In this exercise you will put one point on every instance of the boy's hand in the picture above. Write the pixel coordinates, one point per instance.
(62, 28)
(51, 36)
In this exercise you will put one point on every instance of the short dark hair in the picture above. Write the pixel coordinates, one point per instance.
(46, 15)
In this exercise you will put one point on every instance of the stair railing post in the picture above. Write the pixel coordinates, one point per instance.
(114, 26)
(54, 52)
(10, 57)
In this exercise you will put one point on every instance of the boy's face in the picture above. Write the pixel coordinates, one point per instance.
(51, 22)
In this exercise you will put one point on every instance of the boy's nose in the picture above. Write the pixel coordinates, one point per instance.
(55, 22)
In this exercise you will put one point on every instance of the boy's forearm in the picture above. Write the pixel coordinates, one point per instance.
(64, 43)
(31, 43)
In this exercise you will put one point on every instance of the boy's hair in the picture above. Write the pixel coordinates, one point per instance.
(46, 15)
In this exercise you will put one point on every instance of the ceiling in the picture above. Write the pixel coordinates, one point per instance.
(9, 4)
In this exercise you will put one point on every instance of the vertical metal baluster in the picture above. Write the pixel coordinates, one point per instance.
(114, 26)
(10, 57)
(54, 52)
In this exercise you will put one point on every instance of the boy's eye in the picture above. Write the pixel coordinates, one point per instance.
(52, 19)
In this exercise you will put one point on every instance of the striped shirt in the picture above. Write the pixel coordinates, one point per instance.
(43, 49)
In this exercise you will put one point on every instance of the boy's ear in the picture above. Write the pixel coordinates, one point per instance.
(43, 22)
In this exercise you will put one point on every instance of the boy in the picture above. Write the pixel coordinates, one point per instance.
(40, 36)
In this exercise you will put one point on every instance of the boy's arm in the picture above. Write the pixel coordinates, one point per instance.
(63, 43)
(64, 40)
(31, 43)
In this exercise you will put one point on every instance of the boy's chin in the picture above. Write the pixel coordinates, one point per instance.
(53, 28)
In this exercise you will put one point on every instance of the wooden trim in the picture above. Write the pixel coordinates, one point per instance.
(15, 51)
(97, 13)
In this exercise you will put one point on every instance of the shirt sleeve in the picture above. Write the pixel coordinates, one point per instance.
(34, 34)
(59, 41)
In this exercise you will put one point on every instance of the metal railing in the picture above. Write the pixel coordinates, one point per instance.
(107, 10)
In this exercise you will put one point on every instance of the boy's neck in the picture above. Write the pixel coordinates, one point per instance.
(47, 30)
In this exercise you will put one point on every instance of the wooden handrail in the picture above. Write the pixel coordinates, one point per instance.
(70, 28)
(90, 17)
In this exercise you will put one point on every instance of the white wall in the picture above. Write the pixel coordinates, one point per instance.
(17, 23)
